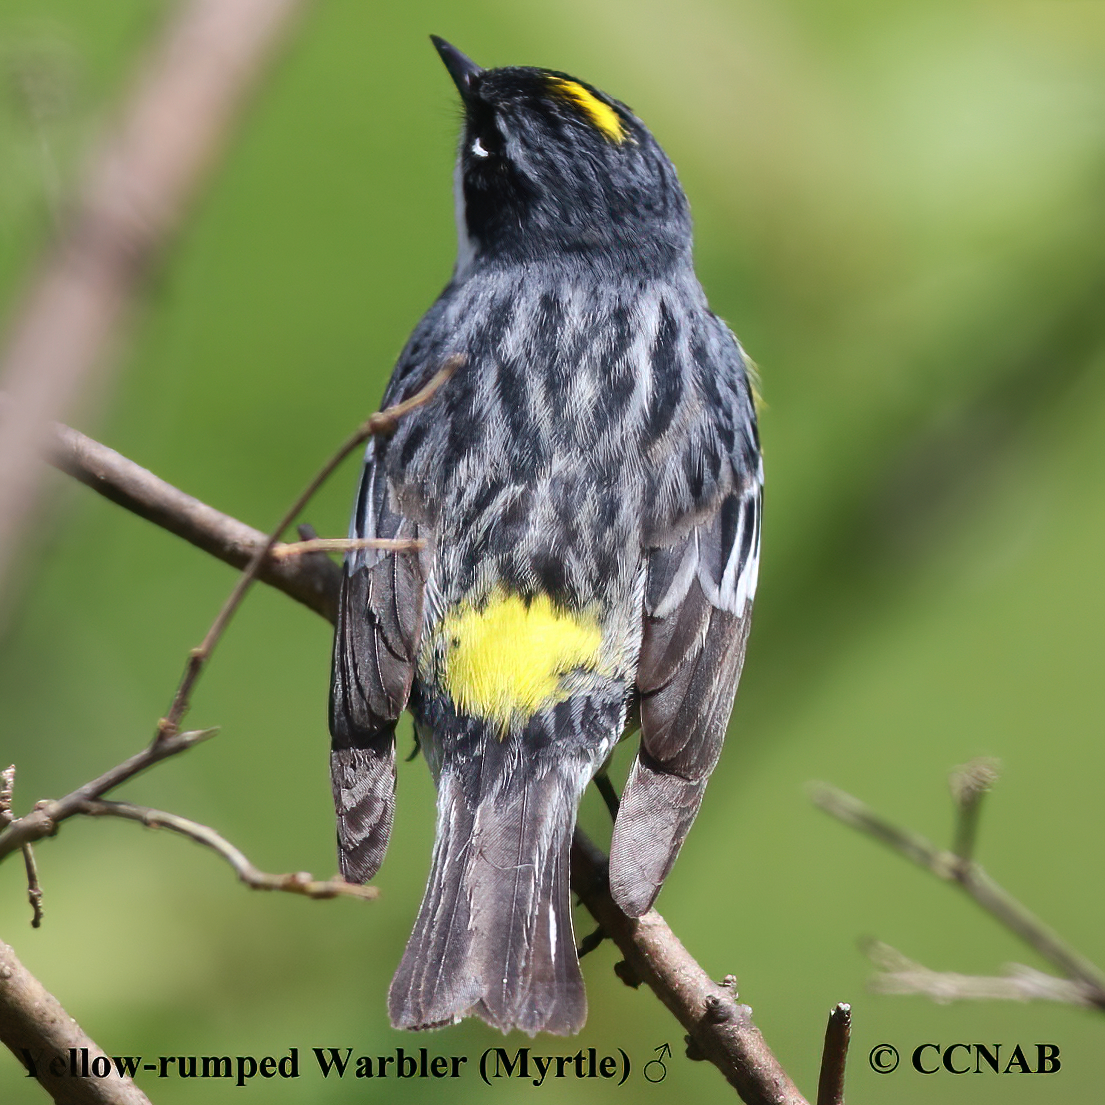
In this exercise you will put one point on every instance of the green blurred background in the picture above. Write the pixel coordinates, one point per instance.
(899, 209)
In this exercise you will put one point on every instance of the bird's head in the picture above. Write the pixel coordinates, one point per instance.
(550, 167)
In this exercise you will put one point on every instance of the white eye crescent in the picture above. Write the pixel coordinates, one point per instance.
(478, 150)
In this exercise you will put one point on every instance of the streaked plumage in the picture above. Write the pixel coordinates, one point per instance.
(588, 485)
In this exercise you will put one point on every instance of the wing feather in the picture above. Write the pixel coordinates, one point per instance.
(379, 617)
(698, 603)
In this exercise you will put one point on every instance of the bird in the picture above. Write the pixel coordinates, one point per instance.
(582, 503)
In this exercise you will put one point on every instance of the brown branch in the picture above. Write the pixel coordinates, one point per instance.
(7, 790)
(40, 1034)
(300, 882)
(47, 815)
(34, 888)
(291, 568)
(971, 879)
(382, 422)
(136, 188)
(346, 544)
(311, 580)
(969, 785)
(899, 975)
(721, 1029)
(211, 528)
(838, 1033)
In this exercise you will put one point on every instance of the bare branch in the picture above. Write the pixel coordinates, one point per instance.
(899, 975)
(838, 1033)
(913, 846)
(972, 879)
(721, 1029)
(299, 882)
(346, 544)
(136, 188)
(311, 580)
(161, 498)
(47, 815)
(608, 793)
(383, 422)
(37, 1030)
(969, 784)
(34, 888)
(7, 791)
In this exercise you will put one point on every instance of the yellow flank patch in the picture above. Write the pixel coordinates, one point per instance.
(505, 661)
(603, 116)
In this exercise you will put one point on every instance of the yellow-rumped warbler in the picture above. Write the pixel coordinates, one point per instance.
(588, 487)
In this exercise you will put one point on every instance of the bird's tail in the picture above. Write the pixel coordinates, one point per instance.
(494, 935)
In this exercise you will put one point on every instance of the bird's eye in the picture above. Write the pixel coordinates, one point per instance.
(485, 139)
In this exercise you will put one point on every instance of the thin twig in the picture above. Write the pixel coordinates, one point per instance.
(34, 887)
(860, 816)
(591, 942)
(608, 793)
(969, 784)
(999, 903)
(838, 1032)
(974, 881)
(383, 422)
(7, 790)
(311, 580)
(346, 544)
(900, 975)
(47, 815)
(299, 882)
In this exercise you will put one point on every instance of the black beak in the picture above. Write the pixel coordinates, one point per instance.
(462, 69)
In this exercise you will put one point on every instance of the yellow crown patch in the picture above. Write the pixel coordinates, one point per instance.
(602, 116)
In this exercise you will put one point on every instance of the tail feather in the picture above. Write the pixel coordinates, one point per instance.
(555, 1000)
(494, 934)
(437, 980)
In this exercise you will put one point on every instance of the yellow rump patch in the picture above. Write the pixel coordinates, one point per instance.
(603, 116)
(505, 661)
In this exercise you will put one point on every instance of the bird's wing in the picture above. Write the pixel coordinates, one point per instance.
(379, 618)
(698, 604)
